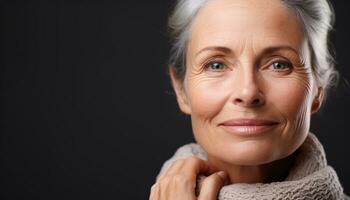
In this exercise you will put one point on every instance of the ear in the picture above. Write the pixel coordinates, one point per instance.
(181, 96)
(318, 99)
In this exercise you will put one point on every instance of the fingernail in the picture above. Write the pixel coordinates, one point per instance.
(222, 174)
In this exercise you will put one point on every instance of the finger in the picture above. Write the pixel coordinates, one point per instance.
(179, 186)
(173, 169)
(154, 192)
(211, 185)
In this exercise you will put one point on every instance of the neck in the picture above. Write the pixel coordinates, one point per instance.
(265, 173)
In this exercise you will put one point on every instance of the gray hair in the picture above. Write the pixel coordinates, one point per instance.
(316, 16)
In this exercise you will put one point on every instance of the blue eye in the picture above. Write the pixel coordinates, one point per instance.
(216, 66)
(281, 66)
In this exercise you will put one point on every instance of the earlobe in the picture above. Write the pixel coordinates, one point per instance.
(181, 96)
(317, 102)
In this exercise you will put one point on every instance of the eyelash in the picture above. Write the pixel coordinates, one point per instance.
(288, 65)
(207, 65)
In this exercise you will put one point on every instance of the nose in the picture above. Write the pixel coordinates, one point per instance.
(248, 91)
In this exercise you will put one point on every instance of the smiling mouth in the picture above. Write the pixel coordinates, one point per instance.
(248, 127)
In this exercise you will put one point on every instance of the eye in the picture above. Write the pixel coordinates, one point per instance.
(215, 66)
(281, 66)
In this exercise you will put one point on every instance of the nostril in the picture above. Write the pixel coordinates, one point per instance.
(256, 101)
(238, 100)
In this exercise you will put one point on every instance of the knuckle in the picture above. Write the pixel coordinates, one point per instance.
(194, 160)
(213, 179)
(154, 187)
(159, 177)
(154, 191)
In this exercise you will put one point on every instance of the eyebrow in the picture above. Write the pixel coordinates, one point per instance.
(267, 50)
(272, 49)
(225, 50)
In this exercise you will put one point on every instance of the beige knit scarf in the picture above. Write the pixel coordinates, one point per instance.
(309, 178)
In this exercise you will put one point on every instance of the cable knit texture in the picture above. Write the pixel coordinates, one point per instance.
(309, 178)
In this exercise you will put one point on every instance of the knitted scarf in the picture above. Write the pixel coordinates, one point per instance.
(309, 178)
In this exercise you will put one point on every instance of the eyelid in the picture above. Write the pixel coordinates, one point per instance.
(218, 59)
(281, 60)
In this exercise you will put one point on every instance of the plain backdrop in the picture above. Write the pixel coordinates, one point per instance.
(87, 111)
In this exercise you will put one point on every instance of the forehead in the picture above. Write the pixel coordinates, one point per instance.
(234, 23)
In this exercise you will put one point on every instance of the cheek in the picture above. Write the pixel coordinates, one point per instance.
(291, 98)
(207, 97)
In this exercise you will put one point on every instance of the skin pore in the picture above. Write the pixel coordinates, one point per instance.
(248, 59)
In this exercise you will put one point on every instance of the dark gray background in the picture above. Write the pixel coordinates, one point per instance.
(87, 111)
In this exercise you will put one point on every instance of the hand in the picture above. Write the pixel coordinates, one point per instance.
(179, 181)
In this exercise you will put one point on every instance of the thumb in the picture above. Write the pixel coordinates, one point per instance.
(212, 185)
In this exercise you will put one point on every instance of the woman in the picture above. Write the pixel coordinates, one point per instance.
(250, 73)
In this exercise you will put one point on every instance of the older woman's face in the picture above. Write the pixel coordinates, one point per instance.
(248, 85)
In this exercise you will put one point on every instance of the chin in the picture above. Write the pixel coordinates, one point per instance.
(250, 153)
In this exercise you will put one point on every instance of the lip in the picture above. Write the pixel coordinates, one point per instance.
(248, 127)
